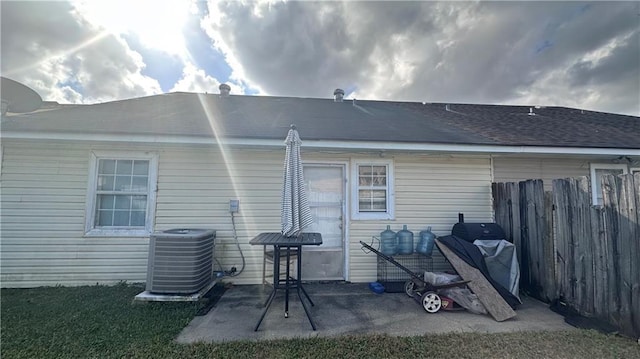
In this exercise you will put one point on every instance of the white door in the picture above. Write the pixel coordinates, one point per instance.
(325, 189)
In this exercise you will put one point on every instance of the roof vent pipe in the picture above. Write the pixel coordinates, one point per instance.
(338, 95)
(447, 107)
(531, 111)
(224, 89)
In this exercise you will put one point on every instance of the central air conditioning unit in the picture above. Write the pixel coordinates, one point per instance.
(180, 261)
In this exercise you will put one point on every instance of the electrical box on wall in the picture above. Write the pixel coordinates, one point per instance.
(234, 205)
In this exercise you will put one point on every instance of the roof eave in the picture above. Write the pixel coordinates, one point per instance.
(325, 144)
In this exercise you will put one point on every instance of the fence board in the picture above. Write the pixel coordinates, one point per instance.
(621, 200)
(549, 254)
(612, 223)
(600, 264)
(635, 259)
(533, 237)
(584, 246)
(506, 204)
(563, 235)
(588, 256)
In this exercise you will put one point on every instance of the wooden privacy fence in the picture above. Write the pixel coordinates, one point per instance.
(588, 256)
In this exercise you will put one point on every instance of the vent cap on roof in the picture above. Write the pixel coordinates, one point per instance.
(338, 94)
(224, 89)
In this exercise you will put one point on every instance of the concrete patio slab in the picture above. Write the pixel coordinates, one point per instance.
(349, 309)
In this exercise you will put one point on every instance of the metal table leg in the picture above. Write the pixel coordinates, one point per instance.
(299, 288)
(286, 284)
(276, 284)
(276, 279)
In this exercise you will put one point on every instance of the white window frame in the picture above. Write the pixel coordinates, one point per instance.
(90, 211)
(355, 203)
(603, 166)
(633, 170)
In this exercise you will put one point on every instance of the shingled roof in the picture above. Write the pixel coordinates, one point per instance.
(264, 117)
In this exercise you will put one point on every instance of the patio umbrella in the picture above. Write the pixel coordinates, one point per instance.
(296, 214)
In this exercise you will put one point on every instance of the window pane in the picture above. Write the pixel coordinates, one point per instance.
(105, 201)
(364, 200)
(365, 181)
(105, 183)
(104, 218)
(123, 202)
(379, 180)
(139, 203)
(364, 170)
(372, 176)
(141, 167)
(124, 167)
(106, 166)
(123, 183)
(137, 218)
(121, 218)
(379, 170)
(379, 200)
(139, 184)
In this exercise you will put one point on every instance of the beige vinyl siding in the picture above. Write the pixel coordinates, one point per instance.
(194, 189)
(44, 187)
(429, 191)
(515, 169)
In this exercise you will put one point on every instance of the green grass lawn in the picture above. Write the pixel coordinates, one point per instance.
(102, 322)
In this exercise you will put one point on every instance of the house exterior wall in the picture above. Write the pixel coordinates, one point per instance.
(44, 188)
(515, 169)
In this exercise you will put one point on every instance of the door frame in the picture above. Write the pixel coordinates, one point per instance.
(344, 165)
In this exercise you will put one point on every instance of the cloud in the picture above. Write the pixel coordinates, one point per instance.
(500, 52)
(194, 79)
(50, 47)
(533, 53)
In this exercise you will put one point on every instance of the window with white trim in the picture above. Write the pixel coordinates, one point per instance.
(597, 171)
(372, 190)
(121, 194)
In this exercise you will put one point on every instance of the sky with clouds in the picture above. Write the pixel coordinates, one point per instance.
(574, 54)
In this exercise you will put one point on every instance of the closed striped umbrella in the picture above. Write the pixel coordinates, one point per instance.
(296, 214)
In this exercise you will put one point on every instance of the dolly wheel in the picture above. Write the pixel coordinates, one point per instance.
(431, 302)
(410, 288)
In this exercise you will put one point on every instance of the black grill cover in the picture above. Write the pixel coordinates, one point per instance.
(472, 231)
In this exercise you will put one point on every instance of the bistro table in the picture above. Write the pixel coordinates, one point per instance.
(279, 241)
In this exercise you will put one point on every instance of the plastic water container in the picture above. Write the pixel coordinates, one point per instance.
(388, 242)
(405, 241)
(426, 242)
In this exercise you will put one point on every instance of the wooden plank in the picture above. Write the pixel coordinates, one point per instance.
(635, 262)
(549, 254)
(599, 245)
(561, 220)
(583, 240)
(525, 240)
(610, 202)
(626, 226)
(537, 240)
(487, 294)
(514, 215)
